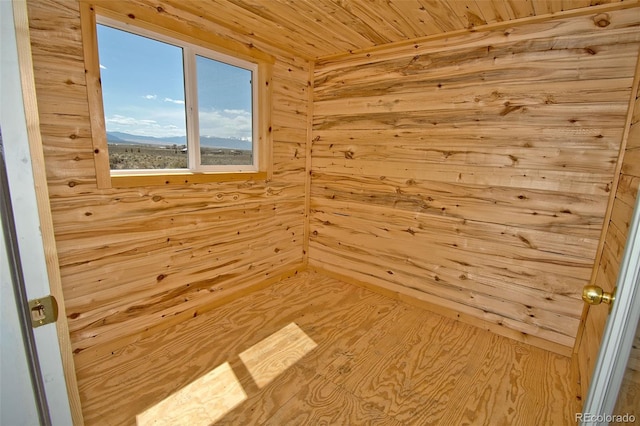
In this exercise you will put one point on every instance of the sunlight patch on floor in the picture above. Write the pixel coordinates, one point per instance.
(211, 397)
(272, 356)
(202, 402)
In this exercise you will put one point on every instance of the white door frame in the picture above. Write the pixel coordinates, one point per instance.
(26, 213)
(619, 334)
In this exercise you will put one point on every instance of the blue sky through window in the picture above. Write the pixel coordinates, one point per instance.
(143, 89)
(224, 99)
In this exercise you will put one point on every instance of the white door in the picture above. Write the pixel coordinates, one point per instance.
(617, 343)
(22, 400)
(18, 397)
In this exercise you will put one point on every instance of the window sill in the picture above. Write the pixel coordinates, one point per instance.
(187, 178)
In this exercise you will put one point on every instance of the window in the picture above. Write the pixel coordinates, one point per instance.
(169, 109)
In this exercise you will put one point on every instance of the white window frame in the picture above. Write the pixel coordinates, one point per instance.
(190, 51)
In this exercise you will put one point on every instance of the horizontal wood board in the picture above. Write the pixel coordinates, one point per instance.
(136, 260)
(475, 174)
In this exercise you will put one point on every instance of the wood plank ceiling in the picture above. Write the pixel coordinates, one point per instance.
(321, 28)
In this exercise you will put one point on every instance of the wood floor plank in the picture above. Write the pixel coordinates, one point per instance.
(325, 309)
(183, 353)
(321, 402)
(481, 403)
(410, 367)
(359, 314)
(514, 384)
(314, 350)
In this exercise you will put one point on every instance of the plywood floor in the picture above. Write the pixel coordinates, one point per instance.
(313, 350)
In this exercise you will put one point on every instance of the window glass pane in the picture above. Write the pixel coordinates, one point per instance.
(143, 96)
(224, 113)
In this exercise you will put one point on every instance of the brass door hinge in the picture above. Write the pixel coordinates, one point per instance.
(44, 310)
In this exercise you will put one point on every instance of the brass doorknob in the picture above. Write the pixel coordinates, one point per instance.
(594, 295)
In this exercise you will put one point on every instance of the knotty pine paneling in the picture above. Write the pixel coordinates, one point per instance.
(612, 252)
(475, 174)
(137, 260)
(333, 28)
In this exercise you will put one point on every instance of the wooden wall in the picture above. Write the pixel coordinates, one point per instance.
(613, 249)
(472, 174)
(138, 260)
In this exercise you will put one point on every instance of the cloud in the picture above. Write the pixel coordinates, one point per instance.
(102, 67)
(122, 120)
(226, 123)
(151, 97)
(169, 121)
(175, 101)
(240, 112)
(161, 127)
